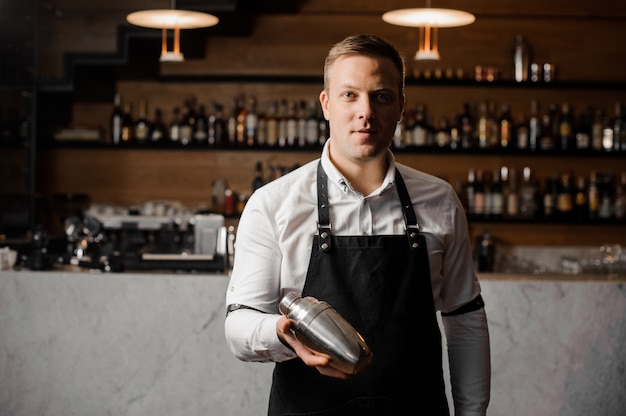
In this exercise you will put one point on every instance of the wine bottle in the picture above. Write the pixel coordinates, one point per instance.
(521, 59)
(142, 127)
(117, 116)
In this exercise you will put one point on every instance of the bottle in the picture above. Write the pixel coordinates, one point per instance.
(619, 202)
(251, 121)
(442, 134)
(258, 180)
(619, 127)
(272, 123)
(158, 130)
(128, 125)
(485, 253)
(527, 195)
(593, 196)
(566, 129)
(546, 142)
(261, 127)
(482, 126)
(201, 127)
(240, 121)
(582, 129)
(281, 118)
(565, 197)
(188, 122)
(231, 123)
(521, 59)
(470, 192)
(479, 194)
(117, 116)
(312, 125)
(419, 131)
(550, 195)
(142, 127)
(521, 132)
(605, 210)
(302, 118)
(534, 126)
(291, 126)
(597, 128)
(318, 326)
(467, 127)
(212, 135)
(511, 194)
(505, 127)
(581, 205)
(175, 125)
(497, 195)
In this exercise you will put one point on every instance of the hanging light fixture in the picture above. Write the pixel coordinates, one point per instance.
(428, 20)
(176, 20)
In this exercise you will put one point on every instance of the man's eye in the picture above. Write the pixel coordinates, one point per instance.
(383, 98)
(348, 94)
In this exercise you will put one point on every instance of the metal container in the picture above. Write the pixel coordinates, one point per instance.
(321, 328)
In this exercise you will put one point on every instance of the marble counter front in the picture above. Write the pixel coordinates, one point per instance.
(94, 344)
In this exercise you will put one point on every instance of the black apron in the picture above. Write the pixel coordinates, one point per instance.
(381, 285)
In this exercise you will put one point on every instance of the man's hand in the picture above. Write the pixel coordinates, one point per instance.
(310, 357)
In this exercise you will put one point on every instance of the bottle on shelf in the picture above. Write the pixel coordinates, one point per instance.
(117, 116)
(582, 129)
(240, 121)
(534, 126)
(564, 207)
(258, 180)
(201, 127)
(496, 195)
(251, 121)
(291, 125)
(547, 139)
(420, 130)
(231, 123)
(550, 196)
(593, 196)
(528, 205)
(272, 123)
(158, 130)
(608, 139)
(480, 200)
(470, 192)
(510, 192)
(619, 203)
(597, 128)
(188, 122)
(142, 127)
(619, 127)
(128, 125)
(466, 122)
(281, 118)
(605, 210)
(521, 59)
(312, 124)
(442, 133)
(174, 135)
(521, 133)
(566, 129)
(261, 128)
(482, 126)
(505, 127)
(302, 118)
(581, 205)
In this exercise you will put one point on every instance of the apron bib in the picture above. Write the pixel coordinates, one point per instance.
(381, 285)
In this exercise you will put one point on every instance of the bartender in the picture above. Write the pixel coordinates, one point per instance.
(384, 244)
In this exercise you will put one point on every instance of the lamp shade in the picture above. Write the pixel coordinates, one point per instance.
(170, 19)
(429, 17)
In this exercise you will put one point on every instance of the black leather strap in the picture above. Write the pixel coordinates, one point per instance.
(323, 221)
(474, 305)
(235, 306)
(410, 220)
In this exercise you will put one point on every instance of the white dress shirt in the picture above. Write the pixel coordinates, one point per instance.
(273, 248)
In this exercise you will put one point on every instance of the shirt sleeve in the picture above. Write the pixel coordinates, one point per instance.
(469, 354)
(250, 331)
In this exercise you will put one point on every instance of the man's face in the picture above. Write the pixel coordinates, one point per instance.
(363, 106)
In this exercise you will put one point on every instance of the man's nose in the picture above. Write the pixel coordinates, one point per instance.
(366, 109)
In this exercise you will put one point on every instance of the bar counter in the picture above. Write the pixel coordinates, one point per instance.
(86, 343)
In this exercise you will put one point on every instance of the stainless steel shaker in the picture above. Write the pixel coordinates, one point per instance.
(321, 328)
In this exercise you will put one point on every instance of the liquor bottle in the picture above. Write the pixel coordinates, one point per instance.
(231, 123)
(292, 124)
(175, 125)
(420, 128)
(565, 197)
(312, 125)
(272, 123)
(323, 127)
(281, 117)
(470, 192)
(505, 127)
(240, 123)
(201, 127)
(479, 194)
(455, 134)
(619, 202)
(521, 59)
(546, 141)
(605, 210)
(608, 138)
(158, 130)
(619, 128)
(442, 134)
(550, 196)
(527, 195)
(510, 192)
(302, 117)
(520, 136)
(582, 129)
(128, 125)
(496, 193)
(261, 128)
(251, 121)
(212, 139)
(482, 126)
(534, 126)
(142, 127)
(116, 120)
(581, 205)
(188, 122)
(258, 180)
(566, 129)
(593, 196)
(597, 130)
(467, 127)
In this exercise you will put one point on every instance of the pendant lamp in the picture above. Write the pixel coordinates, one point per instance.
(428, 20)
(173, 19)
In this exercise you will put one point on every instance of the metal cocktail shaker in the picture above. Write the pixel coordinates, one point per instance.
(320, 327)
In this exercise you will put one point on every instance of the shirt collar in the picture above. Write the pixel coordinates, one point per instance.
(335, 176)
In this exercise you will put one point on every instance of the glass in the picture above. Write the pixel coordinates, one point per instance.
(610, 254)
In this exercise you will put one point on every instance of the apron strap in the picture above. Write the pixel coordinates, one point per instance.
(323, 221)
(410, 220)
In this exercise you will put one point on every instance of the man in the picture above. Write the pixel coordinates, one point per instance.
(385, 245)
